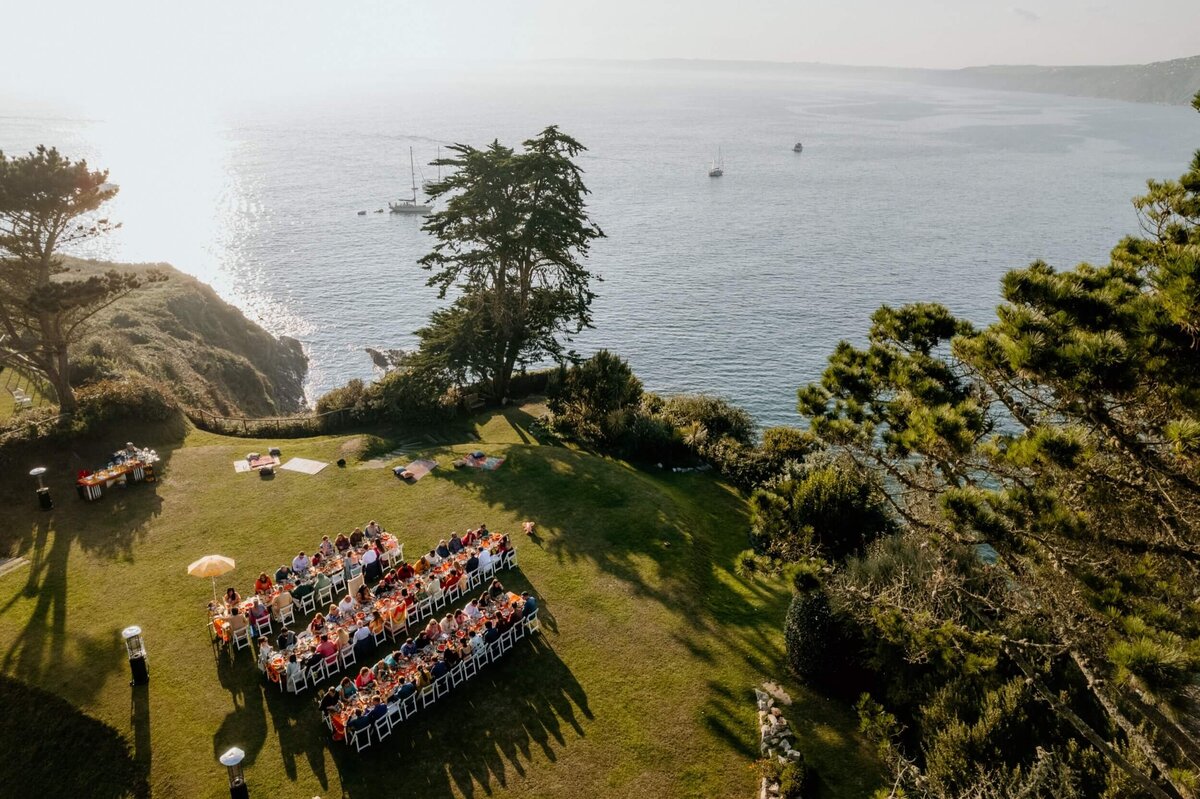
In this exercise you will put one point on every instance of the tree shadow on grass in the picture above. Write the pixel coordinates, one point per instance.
(43, 737)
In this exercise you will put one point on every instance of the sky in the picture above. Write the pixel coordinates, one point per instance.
(126, 53)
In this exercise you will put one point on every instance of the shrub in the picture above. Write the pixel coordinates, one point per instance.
(808, 634)
(349, 397)
(719, 417)
(528, 384)
(797, 780)
(412, 394)
(652, 439)
(129, 397)
(595, 401)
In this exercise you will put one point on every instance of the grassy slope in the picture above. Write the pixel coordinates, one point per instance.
(640, 685)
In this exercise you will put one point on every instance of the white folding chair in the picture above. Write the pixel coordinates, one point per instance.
(347, 656)
(297, 685)
(518, 631)
(409, 704)
(308, 603)
(531, 622)
(264, 627)
(396, 629)
(423, 608)
(241, 638)
(324, 594)
(381, 636)
(442, 685)
(438, 596)
(495, 649)
(317, 673)
(338, 579)
(511, 559)
(468, 667)
(490, 571)
(354, 583)
(383, 728)
(354, 570)
(429, 694)
(286, 614)
(360, 739)
(506, 640)
(395, 713)
(457, 674)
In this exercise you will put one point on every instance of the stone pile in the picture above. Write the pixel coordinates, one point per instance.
(776, 738)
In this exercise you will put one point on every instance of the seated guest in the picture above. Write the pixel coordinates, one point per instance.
(472, 561)
(472, 611)
(317, 560)
(364, 678)
(408, 648)
(504, 546)
(423, 677)
(468, 538)
(263, 584)
(259, 614)
(326, 547)
(317, 625)
(375, 623)
(356, 538)
(286, 639)
(358, 721)
(329, 701)
(363, 596)
(496, 589)
(373, 530)
(482, 532)
(451, 579)
(301, 564)
(404, 571)
(490, 633)
(265, 653)
(478, 645)
(433, 630)
(333, 615)
(443, 549)
(455, 543)
(530, 604)
(405, 689)
(347, 606)
(281, 600)
(232, 597)
(485, 600)
(440, 669)
(341, 638)
(237, 622)
(408, 599)
(485, 559)
(281, 574)
(327, 649)
(448, 626)
(460, 618)
(434, 558)
(346, 687)
(293, 672)
(422, 565)
(341, 543)
(377, 711)
(452, 655)
(362, 641)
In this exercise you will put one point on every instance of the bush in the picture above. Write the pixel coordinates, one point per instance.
(718, 417)
(131, 397)
(528, 384)
(652, 439)
(350, 397)
(808, 634)
(594, 402)
(797, 780)
(412, 395)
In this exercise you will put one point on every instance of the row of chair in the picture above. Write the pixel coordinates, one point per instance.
(398, 711)
(347, 656)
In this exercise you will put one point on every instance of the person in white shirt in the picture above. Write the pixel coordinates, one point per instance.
(373, 530)
(472, 610)
(293, 672)
(347, 605)
(301, 564)
(369, 557)
(434, 558)
(485, 559)
(362, 634)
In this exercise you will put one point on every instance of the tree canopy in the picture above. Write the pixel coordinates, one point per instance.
(1045, 472)
(511, 242)
(47, 203)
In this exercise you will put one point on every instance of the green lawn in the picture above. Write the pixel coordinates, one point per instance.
(639, 686)
(12, 379)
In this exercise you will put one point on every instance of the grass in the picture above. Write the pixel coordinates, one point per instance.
(13, 379)
(640, 685)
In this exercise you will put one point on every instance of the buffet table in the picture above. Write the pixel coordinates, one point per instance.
(133, 469)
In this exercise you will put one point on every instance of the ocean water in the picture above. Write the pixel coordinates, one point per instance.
(739, 286)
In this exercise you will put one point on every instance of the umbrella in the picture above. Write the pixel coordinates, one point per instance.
(211, 566)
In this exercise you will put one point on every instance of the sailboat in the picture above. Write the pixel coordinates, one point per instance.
(718, 166)
(426, 184)
(407, 206)
(798, 148)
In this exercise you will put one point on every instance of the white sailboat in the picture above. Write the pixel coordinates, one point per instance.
(718, 166)
(407, 206)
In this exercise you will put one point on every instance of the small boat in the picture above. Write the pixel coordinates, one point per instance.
(362, 213)
(718, 166)
(410, 206)
(798, 148)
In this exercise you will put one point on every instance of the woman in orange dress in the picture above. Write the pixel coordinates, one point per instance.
(263, 584)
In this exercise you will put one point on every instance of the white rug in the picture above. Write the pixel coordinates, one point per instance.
(304, 465)
(240, 466)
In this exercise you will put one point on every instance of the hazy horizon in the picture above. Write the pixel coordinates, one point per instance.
(139, 57)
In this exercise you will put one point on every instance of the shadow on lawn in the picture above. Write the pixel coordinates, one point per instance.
(107, 528)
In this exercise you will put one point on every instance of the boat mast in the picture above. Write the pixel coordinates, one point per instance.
(413, 171)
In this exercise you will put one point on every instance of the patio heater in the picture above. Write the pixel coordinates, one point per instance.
(232, 761)
(43, 493)
(136, 650)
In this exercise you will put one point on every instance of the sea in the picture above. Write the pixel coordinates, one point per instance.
(739, 286)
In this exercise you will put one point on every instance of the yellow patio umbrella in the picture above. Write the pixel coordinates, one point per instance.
(211, 566)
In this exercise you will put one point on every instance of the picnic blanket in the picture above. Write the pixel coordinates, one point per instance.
(481, 462)
(419, 469)
(304, 465)
(244, 465)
